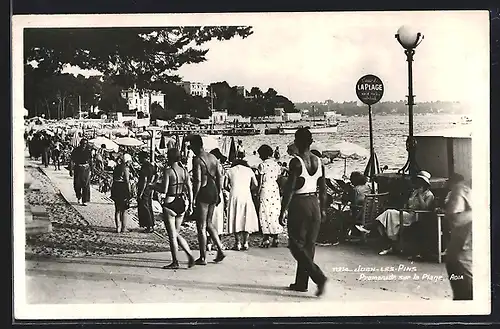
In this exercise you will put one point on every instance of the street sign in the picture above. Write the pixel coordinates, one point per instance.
(369, 89)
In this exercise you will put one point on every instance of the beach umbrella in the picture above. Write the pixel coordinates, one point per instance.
(372, 167)
(209, 143)
(162, 143)
(110, 145)
(128, 141)
(352, 150)
(232, 151)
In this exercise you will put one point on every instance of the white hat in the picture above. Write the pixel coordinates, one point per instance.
(127, 158)
(425, 176)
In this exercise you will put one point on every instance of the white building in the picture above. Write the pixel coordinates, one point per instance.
(139, 100)
(218, 117)
(330, 115)
(241, 91)
(195, 88)
(237, 118)
(292, 117)
(279, 111)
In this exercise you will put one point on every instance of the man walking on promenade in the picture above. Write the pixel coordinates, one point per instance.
(81, 162)
(305, 209)
(145, 193)
(207, 184)
(458, 211)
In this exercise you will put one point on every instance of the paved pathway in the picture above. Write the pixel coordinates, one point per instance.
(257, 275)
(99, 213)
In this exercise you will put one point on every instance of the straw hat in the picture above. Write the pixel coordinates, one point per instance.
(425, 176)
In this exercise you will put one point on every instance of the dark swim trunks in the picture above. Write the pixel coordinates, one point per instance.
(178, 206)
(209, 193)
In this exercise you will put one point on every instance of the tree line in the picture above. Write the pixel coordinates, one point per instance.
(392, 107)
(64, 95)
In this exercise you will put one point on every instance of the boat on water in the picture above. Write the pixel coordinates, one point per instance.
(316, 129)
(465, 120)
(242, 132)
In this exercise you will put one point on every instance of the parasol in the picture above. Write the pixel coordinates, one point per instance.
(128, 141)
(232, 151)
(162, 143)
(209, 143)
(350, 150)
(110, 145)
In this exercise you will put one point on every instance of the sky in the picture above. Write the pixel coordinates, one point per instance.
(319, 56)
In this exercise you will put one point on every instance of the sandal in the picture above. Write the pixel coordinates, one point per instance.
(171, 266)
(191, 262)
(265, 244)
(245, 246)
(219, 258)
(200, 261)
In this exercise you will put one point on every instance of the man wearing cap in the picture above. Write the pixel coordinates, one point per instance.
(81, 163)
(145, 184)
(304, 198)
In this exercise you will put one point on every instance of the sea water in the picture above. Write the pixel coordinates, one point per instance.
(389, 138)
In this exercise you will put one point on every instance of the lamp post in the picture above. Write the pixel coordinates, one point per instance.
(409, 40)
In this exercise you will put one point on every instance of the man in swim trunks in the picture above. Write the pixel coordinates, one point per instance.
(207, 183)
(305, 210)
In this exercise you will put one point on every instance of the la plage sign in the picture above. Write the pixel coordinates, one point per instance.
(369, 89)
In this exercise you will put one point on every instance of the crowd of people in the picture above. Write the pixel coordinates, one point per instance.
(230, 197)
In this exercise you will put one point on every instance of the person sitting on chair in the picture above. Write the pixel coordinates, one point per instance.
(359, 190)
(421, 198)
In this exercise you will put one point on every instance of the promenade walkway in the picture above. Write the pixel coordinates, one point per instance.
(257, 275)
(99, 212)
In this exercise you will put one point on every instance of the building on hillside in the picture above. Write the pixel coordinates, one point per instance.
(195, 88)
(139, 101)
(242, 91)
(279, 111)
(330, 115)
(237, 118)
(218, 117)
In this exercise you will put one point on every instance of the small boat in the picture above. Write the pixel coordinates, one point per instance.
(272, 131)
(465, 120)
(326, 129)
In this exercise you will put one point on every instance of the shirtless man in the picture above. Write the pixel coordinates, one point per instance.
(304, 199)
(207, 183)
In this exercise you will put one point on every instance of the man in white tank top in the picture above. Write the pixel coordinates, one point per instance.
(305, 200)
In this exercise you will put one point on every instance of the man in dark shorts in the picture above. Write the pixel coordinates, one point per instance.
(147, 176)
(305, 210)
(207, 183)
(81, 159)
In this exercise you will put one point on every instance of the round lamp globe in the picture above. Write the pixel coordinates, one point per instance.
(408, 36)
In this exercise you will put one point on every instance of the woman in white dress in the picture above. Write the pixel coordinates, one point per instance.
(269, 196)
(242, 214)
